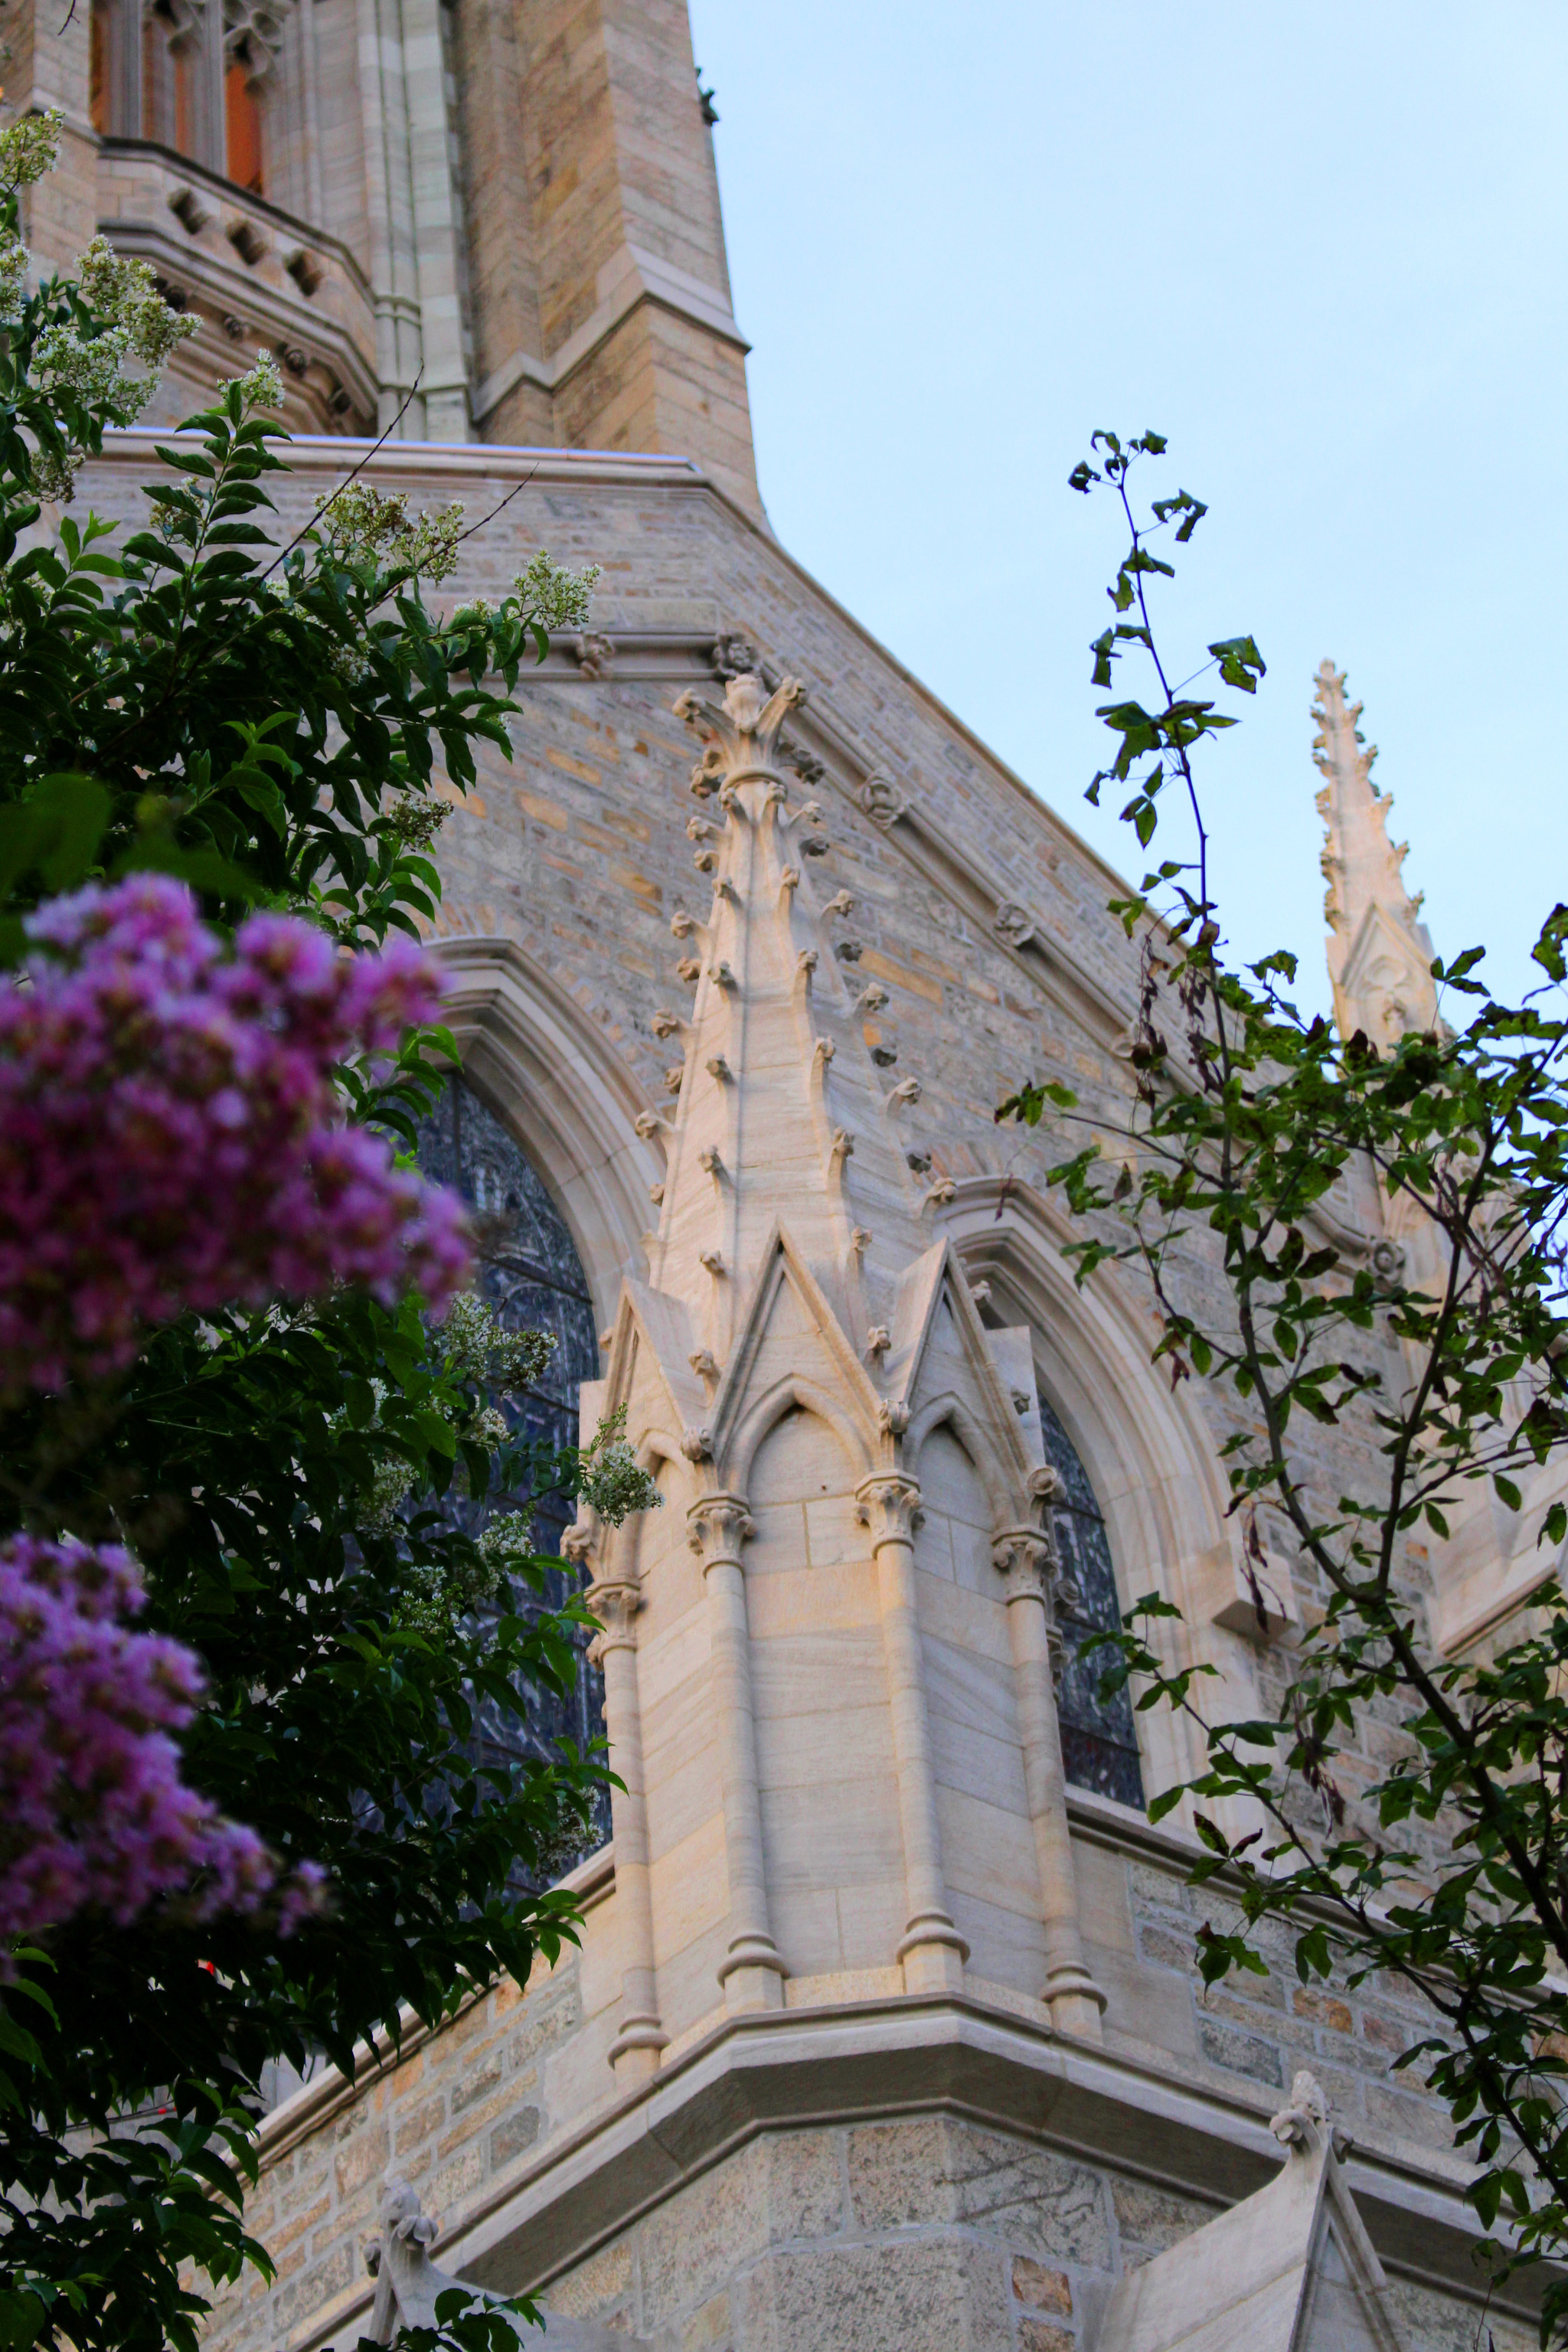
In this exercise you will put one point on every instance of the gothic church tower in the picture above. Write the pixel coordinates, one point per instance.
(884, 2029)
(493, 222)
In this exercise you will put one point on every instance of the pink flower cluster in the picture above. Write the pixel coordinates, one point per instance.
(91, 1806)
(170, 1135)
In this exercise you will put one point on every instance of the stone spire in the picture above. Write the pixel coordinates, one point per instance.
(1380, 953)
(805, 1348)
(781, 1116)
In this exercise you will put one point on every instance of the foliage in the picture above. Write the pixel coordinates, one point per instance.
(1257, 1139)
(274, 726)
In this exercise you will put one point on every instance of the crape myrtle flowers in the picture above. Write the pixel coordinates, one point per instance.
(170, 1135)
(92, 1809)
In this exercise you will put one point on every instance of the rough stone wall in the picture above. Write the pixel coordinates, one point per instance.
(1139, 1926)
(931, 2232)
(923, 2234)
(459, 2108)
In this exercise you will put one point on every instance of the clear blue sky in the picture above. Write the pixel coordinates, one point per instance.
(1321, 247)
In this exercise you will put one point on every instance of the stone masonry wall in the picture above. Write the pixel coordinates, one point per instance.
(929, 2235)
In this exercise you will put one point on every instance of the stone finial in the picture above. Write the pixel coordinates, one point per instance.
(745, 726)
(1305, 2115)
(1379, 951)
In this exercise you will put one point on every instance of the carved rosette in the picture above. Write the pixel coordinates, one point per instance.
(615, 1606)
(890, 1508)
(717, 1527)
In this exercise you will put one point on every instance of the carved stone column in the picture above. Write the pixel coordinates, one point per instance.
(1023, 1556)
(932, 1950)
(751, 1971)
(634, 2054)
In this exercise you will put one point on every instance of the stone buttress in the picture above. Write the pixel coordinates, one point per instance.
(808, 1695)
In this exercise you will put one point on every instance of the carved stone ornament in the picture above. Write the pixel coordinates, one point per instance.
(732, 656)
(1014, 923)
(890, 1508)
(1387, 1264)
(1023, 1557)
(407, 2283)
(892, 1419)
(697, 1444)
(743, 729)
(717, 1527)
(615, 1606)
(807, 767)
(577, 1543)
(253, 31)
(881, 799)
(595, 654)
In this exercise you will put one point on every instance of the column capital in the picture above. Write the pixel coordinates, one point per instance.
(889, 1503)
(717, 1527)
(615, 1606)
(1025, 1557)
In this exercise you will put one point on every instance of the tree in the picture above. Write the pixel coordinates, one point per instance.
(1249, 1121)
(224, 751)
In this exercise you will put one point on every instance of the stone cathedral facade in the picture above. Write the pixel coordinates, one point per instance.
(883, 2031)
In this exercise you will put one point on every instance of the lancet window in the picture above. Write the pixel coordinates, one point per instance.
(531, 1274)
(1099, 1743)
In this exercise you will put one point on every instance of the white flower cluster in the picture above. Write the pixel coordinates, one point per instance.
(138, 325)
(260, 387)
(28, 148)
(487, 1426)
(480, 1348)
(363, 525)
(378, 1510)
(15, 263)
(614, 1482)
(125, 291)
(348, 661)
(507, 1538)
(553, 596)
(414, 820)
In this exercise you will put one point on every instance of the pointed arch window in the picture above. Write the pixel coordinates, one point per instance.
(1099, 1741)
(531, 1274)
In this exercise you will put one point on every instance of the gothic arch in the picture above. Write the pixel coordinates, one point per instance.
(793, 1394)
(574, 1103)
(1153, 1461)
(949, 1412)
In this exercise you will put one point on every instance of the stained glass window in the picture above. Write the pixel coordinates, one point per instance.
(1100, 1745)
(531, 1275)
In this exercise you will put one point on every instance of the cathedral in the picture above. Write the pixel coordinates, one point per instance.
(883, 2031)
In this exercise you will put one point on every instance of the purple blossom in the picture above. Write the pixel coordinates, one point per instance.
(92, 1809)
(170, 1134)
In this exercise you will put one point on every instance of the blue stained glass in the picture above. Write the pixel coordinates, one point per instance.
(531, 1274)
(1099, 1744)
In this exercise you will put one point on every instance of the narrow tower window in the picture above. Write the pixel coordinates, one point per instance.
(242, 127)
(97, 68)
